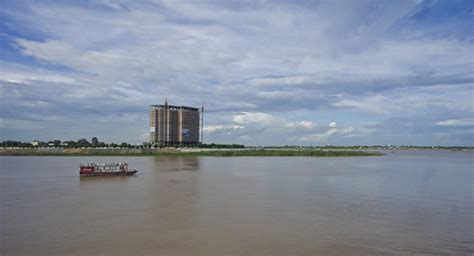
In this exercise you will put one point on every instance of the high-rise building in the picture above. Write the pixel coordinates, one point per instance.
(174, 124)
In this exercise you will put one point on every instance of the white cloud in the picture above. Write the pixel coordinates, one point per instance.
(253, 117)
(323, 137)
(220, 128)
(372, 104)
(332, 124)
(257, 59)
(18, 74)
(457, 122)
(305, 124)
(260, 119)
(284, 81)
(11, 123)
(28, 78)
(411, 101)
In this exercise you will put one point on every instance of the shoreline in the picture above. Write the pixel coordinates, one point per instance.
(194, 152)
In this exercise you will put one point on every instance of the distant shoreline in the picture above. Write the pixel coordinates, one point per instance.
(188, 152)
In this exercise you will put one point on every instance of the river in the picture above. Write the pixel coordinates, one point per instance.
(403, 203)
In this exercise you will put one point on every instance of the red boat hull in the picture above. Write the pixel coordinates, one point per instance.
(92, 174)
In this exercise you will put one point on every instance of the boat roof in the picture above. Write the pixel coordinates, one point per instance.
(105, 164)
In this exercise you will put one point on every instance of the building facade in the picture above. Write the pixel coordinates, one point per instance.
(174, 124)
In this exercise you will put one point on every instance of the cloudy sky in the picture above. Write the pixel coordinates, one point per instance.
(268, 72)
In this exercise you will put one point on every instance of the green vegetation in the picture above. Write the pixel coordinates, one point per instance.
(83, 147)
(13, 143)
(213, 153)
(95, 143)
(59, 144)
(266, 152)
(369, 147)
(214, 145)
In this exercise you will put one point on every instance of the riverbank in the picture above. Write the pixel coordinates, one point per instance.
(183, 152)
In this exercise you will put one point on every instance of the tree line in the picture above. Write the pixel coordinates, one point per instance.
(95, 143)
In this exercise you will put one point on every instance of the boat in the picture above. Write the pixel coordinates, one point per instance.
(108, 169)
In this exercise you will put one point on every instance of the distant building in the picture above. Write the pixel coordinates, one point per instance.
(174, 124)
(35, 143)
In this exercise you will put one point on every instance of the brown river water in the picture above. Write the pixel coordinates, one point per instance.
(403, 203)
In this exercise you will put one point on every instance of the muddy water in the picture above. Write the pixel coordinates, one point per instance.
(404, 203)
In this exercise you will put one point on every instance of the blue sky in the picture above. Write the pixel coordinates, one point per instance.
(269, 72)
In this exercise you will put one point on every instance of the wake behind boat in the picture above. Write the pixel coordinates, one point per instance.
(108, 169)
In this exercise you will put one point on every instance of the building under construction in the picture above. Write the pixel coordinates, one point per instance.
(174, 124)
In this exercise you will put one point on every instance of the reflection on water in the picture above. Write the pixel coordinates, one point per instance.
(399, 204)
(104, 179)
(176, 163)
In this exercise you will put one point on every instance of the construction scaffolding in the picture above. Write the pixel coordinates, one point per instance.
(174, 124)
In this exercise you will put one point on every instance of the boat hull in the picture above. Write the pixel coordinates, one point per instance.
(95, 174)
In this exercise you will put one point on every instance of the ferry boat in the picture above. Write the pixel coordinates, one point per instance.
(109, 169)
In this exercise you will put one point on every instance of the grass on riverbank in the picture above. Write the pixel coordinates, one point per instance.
(257, 153)
(216, 153)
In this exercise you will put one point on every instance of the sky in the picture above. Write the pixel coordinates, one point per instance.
(268, 72)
